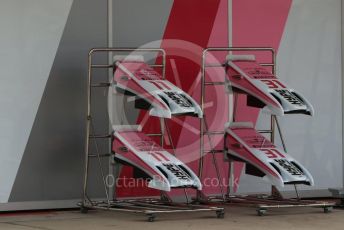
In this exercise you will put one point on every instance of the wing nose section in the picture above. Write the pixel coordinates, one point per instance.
(132, 146)
(248, 76)
(164, 98)
(243, 142)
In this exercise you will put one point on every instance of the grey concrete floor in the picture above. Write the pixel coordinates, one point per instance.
(236, 218)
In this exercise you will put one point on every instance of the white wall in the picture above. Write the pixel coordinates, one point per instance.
(343, 75)
(309, 60)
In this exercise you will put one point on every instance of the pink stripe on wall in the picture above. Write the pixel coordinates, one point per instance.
(257, 24)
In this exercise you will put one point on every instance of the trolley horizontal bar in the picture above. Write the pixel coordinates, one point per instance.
(215, 132)
(222, 133)
(239, 49)
(100, 155)
(112, 49)
(223, 65)
(154, 134)
(100, 136)
(265, 131)
(215, 83)
(103, 84)
(111, 66)
(101, 66)
(214, 151)
(215, 65)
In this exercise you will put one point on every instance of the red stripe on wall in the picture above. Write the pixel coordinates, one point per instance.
(189, 21)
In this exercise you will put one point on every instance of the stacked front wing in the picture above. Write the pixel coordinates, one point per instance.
(134, 77)
(243, 142)
(133, 147)
(161, 97)
(264, 88)
(263, 158)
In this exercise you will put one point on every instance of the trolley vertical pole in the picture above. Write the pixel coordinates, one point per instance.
(88, 123)
(201, 160)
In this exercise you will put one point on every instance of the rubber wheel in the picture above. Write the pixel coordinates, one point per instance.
(220, 214)
(151, 218)
(328, 209)
(261, 212)
(83, 209)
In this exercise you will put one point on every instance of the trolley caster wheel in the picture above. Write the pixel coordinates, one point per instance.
(151, 217)
(220, 214)
(83, 209)
(328, 209)
(196, 202)
(261, 212)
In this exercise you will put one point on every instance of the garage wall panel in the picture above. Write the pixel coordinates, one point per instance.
(30, 35)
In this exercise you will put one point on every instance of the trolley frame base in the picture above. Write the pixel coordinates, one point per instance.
(263, 203)
(149, 206)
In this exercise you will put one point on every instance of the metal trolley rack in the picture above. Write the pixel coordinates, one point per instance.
(148, 206)
(261, 202)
